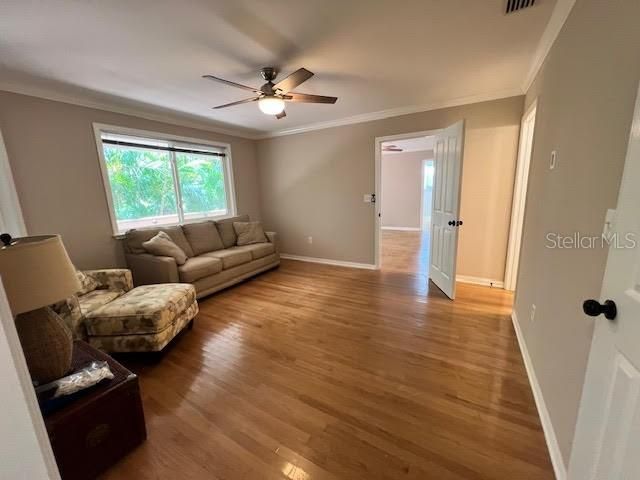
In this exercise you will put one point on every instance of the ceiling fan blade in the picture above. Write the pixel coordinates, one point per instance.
(233, 84)
(282, 114)
(292, 81)
(246, 100)
(307, 98)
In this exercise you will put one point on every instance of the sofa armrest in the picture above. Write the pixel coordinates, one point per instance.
(148, 269)
(69, 310)
(273, 238)
(112, 278)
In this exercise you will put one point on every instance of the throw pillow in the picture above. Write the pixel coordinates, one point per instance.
(227, 233)
(162, 245)
(87, 283)
(249, 233)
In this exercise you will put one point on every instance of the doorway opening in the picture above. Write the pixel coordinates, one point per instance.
(407, 171)
(435, 259)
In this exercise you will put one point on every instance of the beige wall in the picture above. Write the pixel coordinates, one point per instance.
(586, 93)
(312, 185)
(401, 198)
(52, 152)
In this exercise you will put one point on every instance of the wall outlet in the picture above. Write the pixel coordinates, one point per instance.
(554, 160)
(309, 240)
(532, 315)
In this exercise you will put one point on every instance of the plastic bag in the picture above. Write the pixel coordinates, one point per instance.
(88, 376)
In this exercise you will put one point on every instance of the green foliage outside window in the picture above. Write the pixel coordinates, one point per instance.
(142, 183)
(201, 183)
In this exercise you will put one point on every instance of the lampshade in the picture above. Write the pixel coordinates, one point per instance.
(36, 272)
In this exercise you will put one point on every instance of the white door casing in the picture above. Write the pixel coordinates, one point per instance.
(11, 220)
(525, 148)
(377, 211)
(448, 152)
(607, 437)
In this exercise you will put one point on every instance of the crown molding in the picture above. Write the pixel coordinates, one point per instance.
(168, 118)
(204, 125)
(557, 20)
(393, 112)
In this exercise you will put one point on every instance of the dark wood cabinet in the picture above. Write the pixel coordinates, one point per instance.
(95, 429)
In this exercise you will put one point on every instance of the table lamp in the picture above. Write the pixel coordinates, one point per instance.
(36, 272)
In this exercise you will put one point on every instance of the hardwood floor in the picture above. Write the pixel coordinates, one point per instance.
(315, 372)
(405, 251)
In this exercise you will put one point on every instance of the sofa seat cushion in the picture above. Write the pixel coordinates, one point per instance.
(96, 299)
(203, 237)
(231, 257)
(143, 310)
(257, 250)
(198, 267)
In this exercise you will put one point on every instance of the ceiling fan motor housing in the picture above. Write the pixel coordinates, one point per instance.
(268, 73)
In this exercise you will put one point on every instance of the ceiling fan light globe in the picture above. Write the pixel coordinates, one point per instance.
(271, 105)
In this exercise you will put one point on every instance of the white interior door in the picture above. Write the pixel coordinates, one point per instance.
(445, 220)
(607, 438)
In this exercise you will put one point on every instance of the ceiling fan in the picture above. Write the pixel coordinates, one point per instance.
(391, 148)
(271, 97)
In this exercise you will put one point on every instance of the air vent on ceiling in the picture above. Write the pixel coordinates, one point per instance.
(517, 5)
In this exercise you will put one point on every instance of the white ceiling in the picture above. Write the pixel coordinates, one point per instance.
(375, 55)
(417, 144)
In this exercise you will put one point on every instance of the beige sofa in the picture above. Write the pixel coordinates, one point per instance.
(214, 263)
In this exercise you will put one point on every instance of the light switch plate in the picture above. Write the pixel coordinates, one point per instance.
(366, 198)
(554, 160)
(609, 222)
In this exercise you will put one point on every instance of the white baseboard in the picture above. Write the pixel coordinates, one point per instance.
(549, 433)
(327, 261)
(487, 282)
(403, 229)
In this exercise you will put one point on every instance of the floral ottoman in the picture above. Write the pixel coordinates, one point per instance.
(145, 319)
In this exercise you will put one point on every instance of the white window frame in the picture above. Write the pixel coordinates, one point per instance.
(100, 128)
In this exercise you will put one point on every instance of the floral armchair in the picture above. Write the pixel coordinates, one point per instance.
(99, 287)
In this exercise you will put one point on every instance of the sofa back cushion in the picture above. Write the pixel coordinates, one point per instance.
(227, 233)
(203, 237)
(134, 239)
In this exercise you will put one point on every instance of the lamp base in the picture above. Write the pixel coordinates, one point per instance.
(47, 344)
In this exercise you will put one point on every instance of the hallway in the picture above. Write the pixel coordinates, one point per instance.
(406, 252)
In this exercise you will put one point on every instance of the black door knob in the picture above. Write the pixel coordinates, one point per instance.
(593, 308)
(451, 223)
(458, 223)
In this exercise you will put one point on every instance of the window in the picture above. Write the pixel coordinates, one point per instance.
(159, 180)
